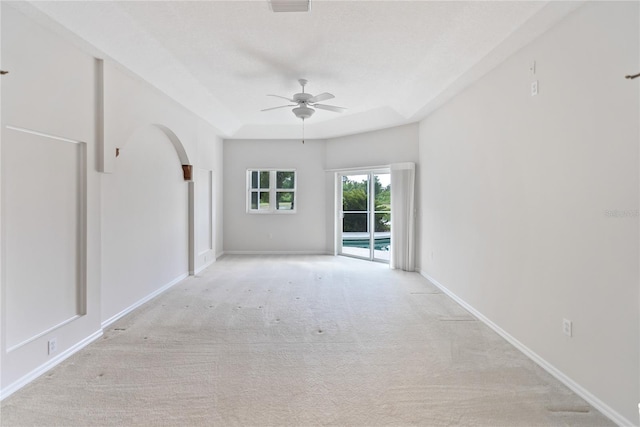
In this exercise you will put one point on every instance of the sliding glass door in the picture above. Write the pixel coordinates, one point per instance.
(356, 240)
(366, 215)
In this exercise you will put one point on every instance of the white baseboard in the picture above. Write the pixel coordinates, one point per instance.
(137, 304)
(203, 266)
(276, 253)
(17, 385)
(558, 374)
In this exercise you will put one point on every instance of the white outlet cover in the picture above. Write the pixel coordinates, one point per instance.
(567, 327)
(534, 88)
(53, 345)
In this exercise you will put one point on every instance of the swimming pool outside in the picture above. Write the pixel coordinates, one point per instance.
(382, 240)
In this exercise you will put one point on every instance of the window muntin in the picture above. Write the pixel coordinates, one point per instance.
(259, 190)
(271, 191)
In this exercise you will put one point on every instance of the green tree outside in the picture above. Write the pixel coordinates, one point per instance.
(354, 199)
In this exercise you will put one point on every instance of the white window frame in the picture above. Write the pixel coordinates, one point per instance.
(272, 191)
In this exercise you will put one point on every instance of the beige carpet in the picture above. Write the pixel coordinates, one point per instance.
(299, 340)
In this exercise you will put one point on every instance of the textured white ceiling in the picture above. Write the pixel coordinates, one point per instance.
(388, 62)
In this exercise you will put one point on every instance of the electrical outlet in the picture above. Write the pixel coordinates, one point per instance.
(53, 345)
(567, 327)
(534, 88)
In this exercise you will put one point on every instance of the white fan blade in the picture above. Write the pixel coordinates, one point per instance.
(283, 97)
(282, 106)
(329, 107)
(321, 97)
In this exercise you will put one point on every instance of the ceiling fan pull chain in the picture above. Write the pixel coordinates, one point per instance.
(303, 131)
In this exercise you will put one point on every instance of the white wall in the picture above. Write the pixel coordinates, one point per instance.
(303, 231)
(530, 204)
(2, 250)
(145, 194)
(50, 199)
(381, 147)
(210, 158)
(145, 242)
(81, 248)
(311, 229)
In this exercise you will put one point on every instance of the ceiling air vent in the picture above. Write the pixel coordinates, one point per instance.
(290, 5)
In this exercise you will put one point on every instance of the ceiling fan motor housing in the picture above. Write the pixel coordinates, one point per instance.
(302, 97)
(303, 112)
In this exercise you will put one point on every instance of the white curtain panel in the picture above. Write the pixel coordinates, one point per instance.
(403, 216)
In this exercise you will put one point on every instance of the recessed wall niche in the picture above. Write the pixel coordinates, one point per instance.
(204, 199)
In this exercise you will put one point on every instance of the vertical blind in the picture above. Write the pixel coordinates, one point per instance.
(403, 216)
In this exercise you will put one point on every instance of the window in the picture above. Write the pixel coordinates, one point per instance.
(271, 191)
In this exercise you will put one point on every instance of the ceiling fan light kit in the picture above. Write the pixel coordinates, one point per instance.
(303, 112)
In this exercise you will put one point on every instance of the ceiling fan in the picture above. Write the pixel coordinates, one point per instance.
(304, 101)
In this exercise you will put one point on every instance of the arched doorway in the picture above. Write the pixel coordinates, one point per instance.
(147, 224)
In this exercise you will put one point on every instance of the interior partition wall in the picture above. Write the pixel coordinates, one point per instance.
(50, 201)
